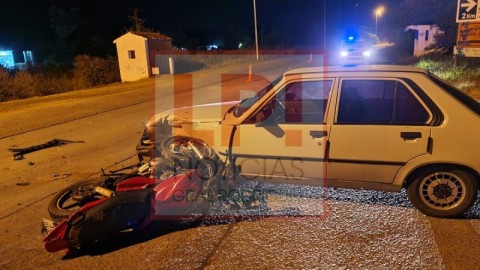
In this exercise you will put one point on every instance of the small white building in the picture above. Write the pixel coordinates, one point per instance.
(143, 54)
(13, 59)
(424, 36)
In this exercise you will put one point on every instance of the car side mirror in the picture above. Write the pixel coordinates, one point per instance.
(268, 122)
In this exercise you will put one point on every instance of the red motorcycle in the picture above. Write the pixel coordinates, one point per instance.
(183, 182)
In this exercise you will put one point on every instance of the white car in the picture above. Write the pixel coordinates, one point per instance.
(364, 127)
(355, 52)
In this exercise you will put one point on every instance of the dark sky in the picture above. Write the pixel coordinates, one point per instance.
(29, 24)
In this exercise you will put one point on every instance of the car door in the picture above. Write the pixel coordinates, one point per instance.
(380, 125)
(285, 139)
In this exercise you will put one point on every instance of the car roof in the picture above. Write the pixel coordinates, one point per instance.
(355, 68)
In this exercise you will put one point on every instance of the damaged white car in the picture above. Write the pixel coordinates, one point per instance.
(365, 127)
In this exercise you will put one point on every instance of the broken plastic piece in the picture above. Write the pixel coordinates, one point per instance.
(19, 152)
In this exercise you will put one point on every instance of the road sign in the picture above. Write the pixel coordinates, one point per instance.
(466, 52)
(468, 11)
(468, 35)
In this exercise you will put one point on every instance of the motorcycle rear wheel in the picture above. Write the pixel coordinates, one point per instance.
(68, 200)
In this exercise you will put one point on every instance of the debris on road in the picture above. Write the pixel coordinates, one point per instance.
(19, 152)
(23, 184)
(58, 176)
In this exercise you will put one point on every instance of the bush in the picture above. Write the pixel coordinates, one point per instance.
(442, 66)
(24, 85)
(93, 71)
(42, 80)
(5, 85)
(50, 85)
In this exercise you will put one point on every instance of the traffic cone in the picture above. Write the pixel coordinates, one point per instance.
(250, 76)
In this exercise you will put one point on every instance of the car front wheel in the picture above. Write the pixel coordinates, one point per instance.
(443, 191)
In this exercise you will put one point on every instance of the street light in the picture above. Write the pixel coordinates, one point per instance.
(378, 13)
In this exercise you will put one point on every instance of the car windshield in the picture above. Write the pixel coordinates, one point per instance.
(357, 45)
(247, 103)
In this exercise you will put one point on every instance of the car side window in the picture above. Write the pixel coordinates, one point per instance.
(303, 102)
(379, 102)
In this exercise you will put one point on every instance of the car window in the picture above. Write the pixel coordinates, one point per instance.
(379, 102)
(303, 102)
(296, 103)
(247, 103)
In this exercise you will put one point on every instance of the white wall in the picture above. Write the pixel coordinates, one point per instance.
(423, 38)
(132, 69)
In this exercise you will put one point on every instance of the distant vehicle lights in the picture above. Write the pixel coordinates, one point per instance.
(355, 51)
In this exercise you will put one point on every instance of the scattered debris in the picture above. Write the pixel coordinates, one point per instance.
(65, 160)
(58, 176)
(48, 226)
(22, 184)
(31, 163)
(124, 168)
(19, 152)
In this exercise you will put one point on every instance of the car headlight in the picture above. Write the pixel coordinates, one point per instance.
(367, 53)
(343, 53)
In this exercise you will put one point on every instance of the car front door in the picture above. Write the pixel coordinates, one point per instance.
(380, 125)
(285, 139)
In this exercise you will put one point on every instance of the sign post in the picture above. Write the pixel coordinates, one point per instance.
(468, 35)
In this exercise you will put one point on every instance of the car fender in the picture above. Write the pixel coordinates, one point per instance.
(423, 161)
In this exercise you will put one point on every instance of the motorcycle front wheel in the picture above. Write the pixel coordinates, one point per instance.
(68, 200)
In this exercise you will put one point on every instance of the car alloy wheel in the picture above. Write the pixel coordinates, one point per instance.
(442, 190)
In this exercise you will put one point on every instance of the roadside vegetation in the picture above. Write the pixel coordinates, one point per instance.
(465, 75)
(88, 72)
(42, 80)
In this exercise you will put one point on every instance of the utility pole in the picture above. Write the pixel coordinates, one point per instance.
(256, 30)
(324, 24)
(137, 22)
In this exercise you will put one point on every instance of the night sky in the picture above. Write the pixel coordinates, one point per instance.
(76, 26)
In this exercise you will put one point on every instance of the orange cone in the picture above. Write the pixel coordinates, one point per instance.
(250, 76)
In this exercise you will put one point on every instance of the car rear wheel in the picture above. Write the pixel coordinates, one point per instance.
(443, 191)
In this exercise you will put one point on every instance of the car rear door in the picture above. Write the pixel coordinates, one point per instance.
(380, 125)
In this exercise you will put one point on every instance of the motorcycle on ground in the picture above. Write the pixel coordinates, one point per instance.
(182, 181)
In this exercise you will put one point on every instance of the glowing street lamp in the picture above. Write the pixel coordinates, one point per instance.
(378, 13)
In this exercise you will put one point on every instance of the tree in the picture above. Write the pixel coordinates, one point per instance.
(80, 27)
(432, 12)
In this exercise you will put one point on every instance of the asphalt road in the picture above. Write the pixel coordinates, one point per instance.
(300, 228)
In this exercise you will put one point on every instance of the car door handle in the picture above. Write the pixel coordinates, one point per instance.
(411, 135)
(318, 134)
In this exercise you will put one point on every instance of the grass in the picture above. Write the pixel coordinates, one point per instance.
(465, 75)
(44, 80)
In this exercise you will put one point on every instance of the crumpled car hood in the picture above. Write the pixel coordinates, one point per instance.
(205, 113)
